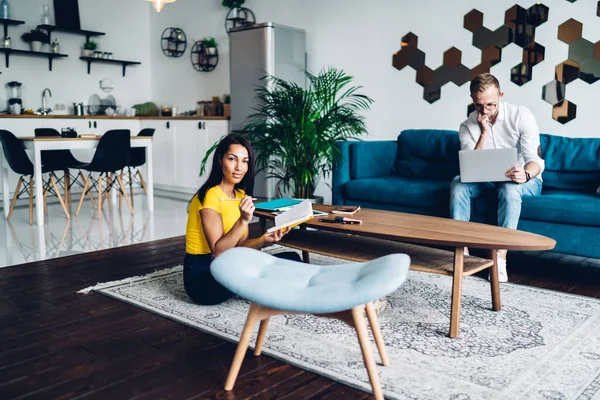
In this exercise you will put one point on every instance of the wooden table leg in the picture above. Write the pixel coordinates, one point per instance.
(66, 183)
(456, 292)
(494, 281)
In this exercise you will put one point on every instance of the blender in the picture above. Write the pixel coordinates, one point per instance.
(15, 104)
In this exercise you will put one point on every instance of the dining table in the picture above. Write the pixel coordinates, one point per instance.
(38, 144)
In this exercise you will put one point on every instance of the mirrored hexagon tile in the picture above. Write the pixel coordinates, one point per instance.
(564, 111)
(432, 92)
(534, 54)
(520, 74)
(473, 20)
(554, 92)
(569, 31)
(537, 14)
(581, 50)
(590, 71)
(567, 71)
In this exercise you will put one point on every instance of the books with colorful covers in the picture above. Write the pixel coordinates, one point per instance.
(277, 204)
(348, 210)
(296, 215)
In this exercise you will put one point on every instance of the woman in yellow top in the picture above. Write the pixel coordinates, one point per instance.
(218, 218)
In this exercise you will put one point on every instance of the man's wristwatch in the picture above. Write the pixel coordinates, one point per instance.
(527, 177)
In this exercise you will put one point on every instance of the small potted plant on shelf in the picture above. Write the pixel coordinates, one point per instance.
(210, 44)
(36, 38)
(234, 6)
(89, 48)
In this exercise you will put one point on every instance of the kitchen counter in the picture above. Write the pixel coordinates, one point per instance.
(54, 116)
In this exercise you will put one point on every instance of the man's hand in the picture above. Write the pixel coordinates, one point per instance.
(484, 124)
(517, 174)
(275, 236)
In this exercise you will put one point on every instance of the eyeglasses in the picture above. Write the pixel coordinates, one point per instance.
(489, 106)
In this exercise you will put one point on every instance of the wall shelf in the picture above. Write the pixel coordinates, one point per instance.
(86, 33)
(8, 22)
(124, 63)
(49, 56)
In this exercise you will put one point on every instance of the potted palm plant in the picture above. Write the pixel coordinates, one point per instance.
(294, 130)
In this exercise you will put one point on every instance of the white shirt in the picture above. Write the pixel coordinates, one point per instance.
(515, 127)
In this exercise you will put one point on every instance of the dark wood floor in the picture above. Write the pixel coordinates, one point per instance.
(55, 343)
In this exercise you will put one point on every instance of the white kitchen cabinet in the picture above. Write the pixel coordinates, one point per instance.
(190, 146)
(163, 152)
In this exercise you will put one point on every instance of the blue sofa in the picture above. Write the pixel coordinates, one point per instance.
(413, 175)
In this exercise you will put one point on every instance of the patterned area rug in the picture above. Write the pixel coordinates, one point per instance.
(542, 345)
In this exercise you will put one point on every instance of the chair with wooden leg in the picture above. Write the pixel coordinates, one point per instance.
(61, 160)
(111, 156)
(276, 286)
(20, 163)
(137, 158)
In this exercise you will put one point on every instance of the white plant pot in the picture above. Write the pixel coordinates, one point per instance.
(87, 53)
(36, 46)
(212, 50)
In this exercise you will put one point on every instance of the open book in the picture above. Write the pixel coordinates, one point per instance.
(296, 215)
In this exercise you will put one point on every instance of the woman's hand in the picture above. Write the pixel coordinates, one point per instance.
(246, 209)
(276, 236)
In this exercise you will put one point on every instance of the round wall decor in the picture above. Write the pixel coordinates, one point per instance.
(173, 42)
(239, 16)
(204, 59)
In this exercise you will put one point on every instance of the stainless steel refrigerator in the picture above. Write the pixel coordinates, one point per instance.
(256, 51)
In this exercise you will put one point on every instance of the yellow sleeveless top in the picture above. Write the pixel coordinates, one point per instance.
(195, 240)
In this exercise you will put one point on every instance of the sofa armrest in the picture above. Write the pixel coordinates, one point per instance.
(341, 173)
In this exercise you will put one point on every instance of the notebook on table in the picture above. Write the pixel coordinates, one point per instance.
(277, 204)
(296, 215)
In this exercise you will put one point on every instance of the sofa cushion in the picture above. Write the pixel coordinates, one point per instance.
(571, 163)
(427, 154)
(563, 207)
(400, 191)
(371, 159)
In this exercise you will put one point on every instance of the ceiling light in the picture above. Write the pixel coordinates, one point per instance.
(158, 4)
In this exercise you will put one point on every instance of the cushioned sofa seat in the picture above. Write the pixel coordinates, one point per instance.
(400, 191)
(563, 207)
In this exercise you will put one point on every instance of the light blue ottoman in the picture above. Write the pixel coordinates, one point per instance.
(277, 286)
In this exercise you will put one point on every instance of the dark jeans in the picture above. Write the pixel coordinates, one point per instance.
(202, 287)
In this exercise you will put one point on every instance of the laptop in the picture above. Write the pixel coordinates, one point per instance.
(486, 165)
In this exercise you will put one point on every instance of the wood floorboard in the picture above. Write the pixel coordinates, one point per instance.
(55, 343)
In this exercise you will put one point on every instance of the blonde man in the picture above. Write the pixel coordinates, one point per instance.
(495, 125)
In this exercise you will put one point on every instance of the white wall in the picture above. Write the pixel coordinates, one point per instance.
(126, 24)
(361, 36)
(358, 36)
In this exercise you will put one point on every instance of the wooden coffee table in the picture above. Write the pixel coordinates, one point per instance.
(387, 232)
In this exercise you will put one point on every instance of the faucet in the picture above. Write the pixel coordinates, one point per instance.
(45, 110)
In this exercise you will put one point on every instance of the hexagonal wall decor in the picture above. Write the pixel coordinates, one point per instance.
(597, 50)
(554, 92)
(598, 9)
(569, 31)
(590, 71)
(567, 71)
(581, 50)
(519, 28)
(537, 14)
(473, 20)
(564, 111)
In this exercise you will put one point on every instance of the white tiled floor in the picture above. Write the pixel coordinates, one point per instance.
(22, 243)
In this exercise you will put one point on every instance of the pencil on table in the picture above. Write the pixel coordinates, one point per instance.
(236, 199)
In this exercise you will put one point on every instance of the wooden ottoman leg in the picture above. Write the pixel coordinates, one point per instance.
(494, 281)
(456, 292)
(260, 339)
(242, 346)
(365, 346)
(374, 322)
